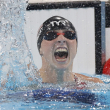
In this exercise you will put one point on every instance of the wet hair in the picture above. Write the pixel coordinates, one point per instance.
(54, 23)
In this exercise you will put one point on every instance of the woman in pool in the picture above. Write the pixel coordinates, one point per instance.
(57, 45)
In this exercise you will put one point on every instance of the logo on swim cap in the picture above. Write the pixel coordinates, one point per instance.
(58, 22)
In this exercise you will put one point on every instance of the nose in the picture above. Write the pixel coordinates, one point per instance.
(61, 39)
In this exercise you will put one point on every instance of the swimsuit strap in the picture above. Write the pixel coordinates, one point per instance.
(76, 80)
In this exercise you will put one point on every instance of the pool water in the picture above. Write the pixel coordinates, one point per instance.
(54, 98)
(54, 105)
(47, 105)
(32, 104)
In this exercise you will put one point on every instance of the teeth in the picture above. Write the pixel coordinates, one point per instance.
(61, 50)
(61, 59)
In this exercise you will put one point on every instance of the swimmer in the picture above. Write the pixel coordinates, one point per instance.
(57, 45)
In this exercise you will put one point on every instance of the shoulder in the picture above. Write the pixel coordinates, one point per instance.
(87, 78)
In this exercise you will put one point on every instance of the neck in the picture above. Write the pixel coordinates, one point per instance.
(50, 75)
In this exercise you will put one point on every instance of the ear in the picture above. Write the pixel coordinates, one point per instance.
(41, 52)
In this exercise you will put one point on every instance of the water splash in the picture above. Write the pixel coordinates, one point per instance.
(17, 68)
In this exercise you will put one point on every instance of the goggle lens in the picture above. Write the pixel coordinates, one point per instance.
(52, 35)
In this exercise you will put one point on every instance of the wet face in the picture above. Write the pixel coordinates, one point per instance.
(59, 52)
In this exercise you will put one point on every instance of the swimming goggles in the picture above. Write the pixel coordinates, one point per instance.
(51, 35)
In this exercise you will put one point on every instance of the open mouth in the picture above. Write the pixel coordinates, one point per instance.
(61, 54)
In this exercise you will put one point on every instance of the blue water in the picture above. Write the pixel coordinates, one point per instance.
(44, 105)
(42, 99)
(58, 97)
